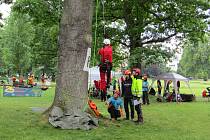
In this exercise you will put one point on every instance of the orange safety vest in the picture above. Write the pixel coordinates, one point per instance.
(30, 81)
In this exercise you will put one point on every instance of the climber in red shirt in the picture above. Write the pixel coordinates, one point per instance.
(106, 61)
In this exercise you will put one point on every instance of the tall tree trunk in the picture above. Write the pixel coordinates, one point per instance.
(134, 37)
(135, 60)
(75, 37)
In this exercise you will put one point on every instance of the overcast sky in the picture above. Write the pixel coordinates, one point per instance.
(5, 10)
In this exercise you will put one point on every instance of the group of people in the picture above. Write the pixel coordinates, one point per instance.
(134, 91)
(18, 81)
(170, 95)
(98, 90)
(134, 88)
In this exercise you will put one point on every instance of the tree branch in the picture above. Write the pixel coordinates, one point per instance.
(109, 18)
(122, 43)
(159, 39)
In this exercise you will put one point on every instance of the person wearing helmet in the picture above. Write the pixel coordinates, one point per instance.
(106, 61)
(145, 89)
(136, 89)
(127, 95)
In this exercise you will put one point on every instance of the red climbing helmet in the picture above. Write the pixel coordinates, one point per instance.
(127, 72)
(137, 70)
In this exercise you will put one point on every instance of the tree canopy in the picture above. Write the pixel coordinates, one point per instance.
(142, 24)
(196, 60)
(38, 35)
(137, 29)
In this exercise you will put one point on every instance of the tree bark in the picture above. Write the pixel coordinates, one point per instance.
(67, 111)
(133, 37)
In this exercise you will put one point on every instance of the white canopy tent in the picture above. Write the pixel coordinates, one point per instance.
(174, 77)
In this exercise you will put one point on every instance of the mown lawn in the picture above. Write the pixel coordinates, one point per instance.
(163, 121)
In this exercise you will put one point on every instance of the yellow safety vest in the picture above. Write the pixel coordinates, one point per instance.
(136, 87)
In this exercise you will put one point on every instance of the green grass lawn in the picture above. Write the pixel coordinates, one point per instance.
(163, 121)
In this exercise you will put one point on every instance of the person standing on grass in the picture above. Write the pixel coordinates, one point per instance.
(136, 89)
(115, 106)
(178, 86)
(159, 87)
(145, 89)
(127, 94)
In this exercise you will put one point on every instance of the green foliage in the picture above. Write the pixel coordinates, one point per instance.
(40, 21)
(136, 29)
(195, 59)
(16, 38)
(136, 23)
(151, 54)
(45, 17)
(44, 47)
(40, 11)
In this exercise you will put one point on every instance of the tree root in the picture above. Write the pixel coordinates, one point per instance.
(76, 120)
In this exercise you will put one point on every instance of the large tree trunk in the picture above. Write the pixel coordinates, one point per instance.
(75, 37)
(135, 61)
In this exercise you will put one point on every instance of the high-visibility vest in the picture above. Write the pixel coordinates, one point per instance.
(133, 85)
(136, 87)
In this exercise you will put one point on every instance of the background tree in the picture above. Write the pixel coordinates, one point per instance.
(15, 41)
(136, 28)
(138, 23)
(195, 59)
(43, 17)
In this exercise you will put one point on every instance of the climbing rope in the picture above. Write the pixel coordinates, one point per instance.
(96, 26)
(95, 34)
(103, 12)
(95, 41)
